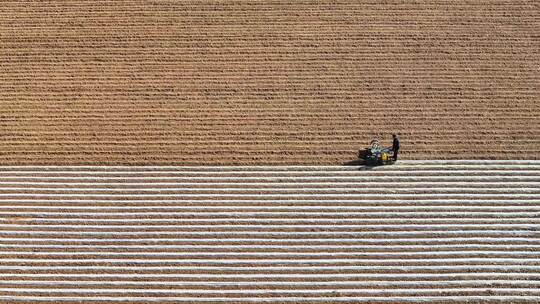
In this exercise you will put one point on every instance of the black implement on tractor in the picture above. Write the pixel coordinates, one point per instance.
(376, 155)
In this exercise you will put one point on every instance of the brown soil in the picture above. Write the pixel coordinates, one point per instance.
(266, 82)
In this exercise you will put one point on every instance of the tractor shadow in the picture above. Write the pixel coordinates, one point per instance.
(359, 162)
(354, 162)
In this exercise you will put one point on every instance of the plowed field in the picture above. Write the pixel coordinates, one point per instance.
(273, 82)
(416, 232)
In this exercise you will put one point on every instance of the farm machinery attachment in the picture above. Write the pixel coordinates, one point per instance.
(376, 155)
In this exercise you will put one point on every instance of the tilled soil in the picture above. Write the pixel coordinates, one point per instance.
(266, 82)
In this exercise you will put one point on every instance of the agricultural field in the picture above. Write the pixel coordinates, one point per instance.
(266, 82)
(416, 232)
(165, 151)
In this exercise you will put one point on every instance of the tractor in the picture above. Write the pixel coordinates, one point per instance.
(376, 155)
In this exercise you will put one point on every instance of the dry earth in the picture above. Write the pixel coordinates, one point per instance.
(274, 82)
